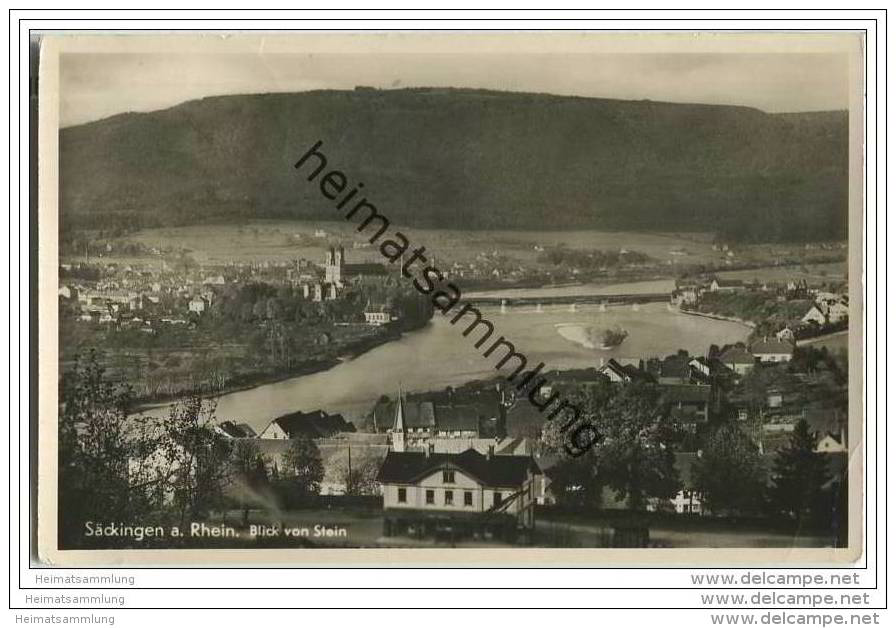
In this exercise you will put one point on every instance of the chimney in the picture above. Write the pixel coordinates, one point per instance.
(491, 452)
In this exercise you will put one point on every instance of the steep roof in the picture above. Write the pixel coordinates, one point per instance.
(627, 371)
(737, 355)
(236, 431)
(729, 283)
(315, 424)
(399, 425)
(247, 429)
(614, 366)
(450, 411)
(406, 467)
(457, 417)
(675, 366)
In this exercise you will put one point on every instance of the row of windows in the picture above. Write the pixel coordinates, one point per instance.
(448, 497)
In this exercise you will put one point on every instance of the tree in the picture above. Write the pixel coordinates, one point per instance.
(799, 479)
(358, 471)
(105, 470)
(198, 457)
(576, 483)
(634, 457)
(729, 474)
(557, 433)
(249, 474)
(303, 467)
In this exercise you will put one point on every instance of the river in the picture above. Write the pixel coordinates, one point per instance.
(438, 355)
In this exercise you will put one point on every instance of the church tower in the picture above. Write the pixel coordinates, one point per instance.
(333, 268)
(398, 428)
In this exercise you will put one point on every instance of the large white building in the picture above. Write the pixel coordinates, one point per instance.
(469, 492)
(772, 350)
(466, 493)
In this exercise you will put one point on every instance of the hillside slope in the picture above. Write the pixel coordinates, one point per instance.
(467, 158)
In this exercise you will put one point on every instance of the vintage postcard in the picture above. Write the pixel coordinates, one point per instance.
(500, 299)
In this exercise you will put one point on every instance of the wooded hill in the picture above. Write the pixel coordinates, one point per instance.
(459, 158)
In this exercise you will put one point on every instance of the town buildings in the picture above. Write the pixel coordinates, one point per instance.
(338, 271)
(448, 414)
(377, 315)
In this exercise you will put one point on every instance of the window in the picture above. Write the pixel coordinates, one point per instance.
(498, 498)
(402, 495)
(449, 498)
(430, 497)
(468, 498)
(448, 477)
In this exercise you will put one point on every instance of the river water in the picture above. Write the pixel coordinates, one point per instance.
(438, 355)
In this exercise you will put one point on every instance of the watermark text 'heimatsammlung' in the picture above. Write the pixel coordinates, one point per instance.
(446, 297)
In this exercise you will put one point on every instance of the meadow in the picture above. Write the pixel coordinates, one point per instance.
(282, 240)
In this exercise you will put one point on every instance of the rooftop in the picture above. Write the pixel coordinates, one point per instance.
(407, 467)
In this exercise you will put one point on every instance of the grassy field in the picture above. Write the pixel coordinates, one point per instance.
(281, 240)
(276, 240)
(812, 273)
(834, 342)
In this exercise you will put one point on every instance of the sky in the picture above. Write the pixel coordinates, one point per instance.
(95, 86)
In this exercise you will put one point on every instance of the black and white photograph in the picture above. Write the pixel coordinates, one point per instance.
(452, 293)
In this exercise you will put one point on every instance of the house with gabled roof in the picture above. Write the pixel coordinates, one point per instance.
(445, 414)
(687, 404)
(818, 314)
(619, 373)
(230, 429)
(772, 350)
(460, 494)
(674, 369)
(317, 424)
(738, 359)
(726, 285)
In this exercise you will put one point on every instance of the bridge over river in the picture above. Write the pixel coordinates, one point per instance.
(571, 299)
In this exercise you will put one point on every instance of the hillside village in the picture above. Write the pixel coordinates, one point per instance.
(265, 320)
(480, 460)
(765, 393)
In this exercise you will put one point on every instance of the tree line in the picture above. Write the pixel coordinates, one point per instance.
(136, 469)
(635, 458)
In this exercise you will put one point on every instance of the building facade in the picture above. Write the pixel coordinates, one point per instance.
(465, 494)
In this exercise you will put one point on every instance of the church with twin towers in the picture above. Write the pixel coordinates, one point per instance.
(338, 272)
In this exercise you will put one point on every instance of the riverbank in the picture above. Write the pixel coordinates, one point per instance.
(250, 381)
(438, 356)
(719, 317)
